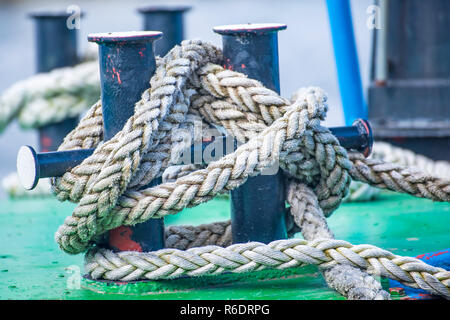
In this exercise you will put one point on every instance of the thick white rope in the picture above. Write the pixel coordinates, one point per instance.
(44, 99)
(253, 256)
(274, 129)
(350, 281)
(14, 189)
(358, 191)
(51, 97)
(388, 153)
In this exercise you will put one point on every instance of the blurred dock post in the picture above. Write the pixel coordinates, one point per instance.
(169, 20)
(56, 47)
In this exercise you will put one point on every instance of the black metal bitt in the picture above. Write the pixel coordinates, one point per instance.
(32, 166)
(127, 62)
(357, 137)
(169, 20)
(258, 206)
(56, 47)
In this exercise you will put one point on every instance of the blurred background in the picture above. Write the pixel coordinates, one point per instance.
(305, 48)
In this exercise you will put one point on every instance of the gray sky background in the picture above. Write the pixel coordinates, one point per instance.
(305, 48)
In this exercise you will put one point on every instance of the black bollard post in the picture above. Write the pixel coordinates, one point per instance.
(127, 62)
(169, 20)
(56, 47)
(258, 206)
(32, 166)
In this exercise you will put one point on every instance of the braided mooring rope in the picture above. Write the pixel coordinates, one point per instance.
(386, 152)
(253, 256)
(100, 182)
(190, 86)
(389, 153)
(348, 280)
(51, 97)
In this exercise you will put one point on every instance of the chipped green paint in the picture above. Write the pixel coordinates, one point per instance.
(33, 267)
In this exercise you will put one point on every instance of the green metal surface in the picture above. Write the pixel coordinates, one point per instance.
(33, 267)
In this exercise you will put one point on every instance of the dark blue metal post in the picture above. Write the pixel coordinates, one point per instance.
(127, 62)
(346, 57)
(56, 47)
(258, 206)
(169, 20)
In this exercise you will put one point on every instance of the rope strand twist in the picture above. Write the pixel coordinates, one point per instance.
(190, 86)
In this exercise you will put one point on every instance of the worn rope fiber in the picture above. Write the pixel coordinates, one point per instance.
(360, 191)
(48, 98)
(185, 237)
(390, 153)
(350, 281)
(101, 179)
(253, 256)
(398, 178)
(386, 152)
(189, 86)
(117, 159)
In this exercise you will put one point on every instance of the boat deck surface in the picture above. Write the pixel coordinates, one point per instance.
(33, 267)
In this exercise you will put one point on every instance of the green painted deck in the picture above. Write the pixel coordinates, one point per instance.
(33, 267)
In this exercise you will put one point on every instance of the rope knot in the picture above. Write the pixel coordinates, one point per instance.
(188, 87)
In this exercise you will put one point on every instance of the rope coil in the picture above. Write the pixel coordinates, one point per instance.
(190, 86)
(51, 97)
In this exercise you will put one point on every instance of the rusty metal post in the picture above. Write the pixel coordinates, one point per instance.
(258, 206)
(169, 20)
(56, 47)
(263, 222)
(127, 63)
